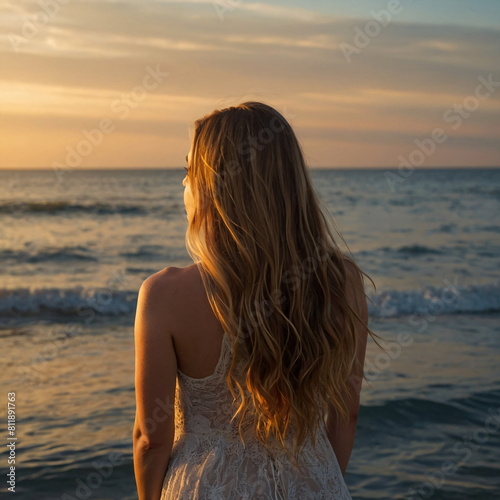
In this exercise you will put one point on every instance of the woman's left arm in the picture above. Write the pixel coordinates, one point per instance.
(155, 379)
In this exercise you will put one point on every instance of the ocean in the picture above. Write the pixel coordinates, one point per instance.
(76, 246)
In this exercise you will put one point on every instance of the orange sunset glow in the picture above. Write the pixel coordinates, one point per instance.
(118, 84)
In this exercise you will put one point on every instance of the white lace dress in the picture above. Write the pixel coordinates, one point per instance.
(209, 462)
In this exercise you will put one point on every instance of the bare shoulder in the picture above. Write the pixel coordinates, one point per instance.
(169, 279)
(355, 290)
(353, 273)
(159, 278)
(166, 291)
(351, 267)
(158, 286)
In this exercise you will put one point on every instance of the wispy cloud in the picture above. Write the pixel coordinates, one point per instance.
(74, 65)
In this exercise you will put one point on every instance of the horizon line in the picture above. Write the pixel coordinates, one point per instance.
(89, 169)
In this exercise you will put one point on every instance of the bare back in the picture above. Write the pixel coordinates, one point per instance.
(206, 440)
(197, 334)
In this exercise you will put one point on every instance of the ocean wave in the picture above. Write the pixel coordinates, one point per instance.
(403, 252)
(470, 410)
(494, 191)
(449, 299)
(402, 411)
(417, 249)
(64, 207)
(63, 254)
(80, 301)
(75, 254)
(452, 298)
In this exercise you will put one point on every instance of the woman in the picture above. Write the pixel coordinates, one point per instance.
(259, 346)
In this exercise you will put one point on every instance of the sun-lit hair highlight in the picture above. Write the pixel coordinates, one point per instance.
(274, 274)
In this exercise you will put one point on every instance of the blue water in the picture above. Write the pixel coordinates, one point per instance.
(75, 250)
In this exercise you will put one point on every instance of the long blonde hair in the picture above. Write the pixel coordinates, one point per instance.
(274, 275)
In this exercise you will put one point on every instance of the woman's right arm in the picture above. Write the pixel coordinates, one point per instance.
(341, 434)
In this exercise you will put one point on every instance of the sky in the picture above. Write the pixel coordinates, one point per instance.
(119, 83)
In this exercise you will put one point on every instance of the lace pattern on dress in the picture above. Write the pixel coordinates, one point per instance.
(209, 461)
